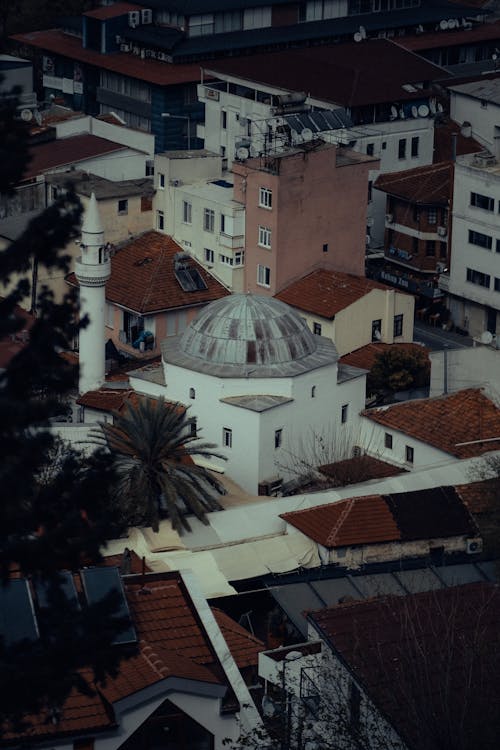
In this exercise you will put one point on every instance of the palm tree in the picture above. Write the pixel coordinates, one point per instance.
(153, 448)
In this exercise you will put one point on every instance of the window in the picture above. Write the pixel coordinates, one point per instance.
(193, 427)
(414, 146)
(265, 198)
(123, 206)
(264, 237)
(208, 219)
(443, 250)
(402, 148)
(201, 25)
(376, 330)
(479, 239)
(430, 248)
(222, 223)
(482, 201)
(384, 145)
(161, 181)
(497, 284)
(414, 245)
(239, 258)
(317, 329)
(344, 413)
(263, 275)
(477, 277)
(230, 20)
(325, 247)
(192, 393)
(186, 212)
(226, 260)
(278, 437)
(160, 221)
(388, 441)
(398, 325)
(313, 392)
(223, 119)
(370, 149)
(409, 454)
(432, 215)
(227, 437)
(209, 256)
(370, 191)
(498, 246)
(256, 18)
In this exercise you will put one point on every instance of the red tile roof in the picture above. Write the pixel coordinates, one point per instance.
(244, 646)
(106, 399)
(348, 74)
(410, 654)
(360, 520)
(326, 293)
(67, 151)
(142, 277)
(365, 356)
(359, 469)
(421, 185)
(443, 148)
(434, 513)
(111, 11)
(446, 422)
(153, 71)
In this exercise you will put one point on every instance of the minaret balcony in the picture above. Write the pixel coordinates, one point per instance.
(92, 274)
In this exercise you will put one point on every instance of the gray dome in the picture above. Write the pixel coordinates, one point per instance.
(246, 335)
(244, 329)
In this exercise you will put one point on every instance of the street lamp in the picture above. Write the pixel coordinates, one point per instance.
(181, 117)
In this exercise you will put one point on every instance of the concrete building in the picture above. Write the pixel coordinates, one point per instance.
(271, 220)
(351, 310)
(255, 360)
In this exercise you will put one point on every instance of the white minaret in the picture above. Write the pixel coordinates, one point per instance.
(93, 269)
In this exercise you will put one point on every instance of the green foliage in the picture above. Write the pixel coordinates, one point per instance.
(398, 369)
(55, 511)
(152, 447)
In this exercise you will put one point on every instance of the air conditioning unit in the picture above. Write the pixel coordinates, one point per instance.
(146, 15)
(442, 231)
(270, 487)
(356, 451)
(484, 159)
(134, 18)
(474, 546)
(175, 183)
(389, 218)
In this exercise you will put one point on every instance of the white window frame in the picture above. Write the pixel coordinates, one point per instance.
(187, 212)
(160, 221)
(265, 198)
(263, 275)
(208, 220)
(209, 255)
(264, 237)
(227, 437)
(239, 258)
(344, 413)
(278, 438)
(161, 181)
(226, 260)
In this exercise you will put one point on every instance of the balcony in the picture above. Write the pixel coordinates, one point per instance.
(92, 274)
(235, 242)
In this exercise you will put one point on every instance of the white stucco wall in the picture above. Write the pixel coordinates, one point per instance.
(483, 116)
(466, 368)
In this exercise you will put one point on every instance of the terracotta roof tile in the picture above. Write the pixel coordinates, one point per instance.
(244, 647)
(105, 399)
(421, 185)
(365, 356)
(142, 277)
(153, 71)
(390, 642)
(446, 422)
(423, 514)
(67, 151)
(359, 469)
(324, 292)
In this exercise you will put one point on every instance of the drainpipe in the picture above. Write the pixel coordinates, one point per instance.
(454, 147)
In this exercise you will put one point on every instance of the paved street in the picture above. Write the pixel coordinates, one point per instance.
(437, 339)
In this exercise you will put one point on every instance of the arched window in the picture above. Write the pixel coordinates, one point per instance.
(313, 391)
(192, 393)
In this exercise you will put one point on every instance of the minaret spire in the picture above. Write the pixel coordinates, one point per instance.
(93, 269)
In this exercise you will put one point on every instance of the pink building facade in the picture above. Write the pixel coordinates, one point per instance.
(305, 209)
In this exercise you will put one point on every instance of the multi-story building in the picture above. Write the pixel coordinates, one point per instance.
(372, 95)
(272, 219)
(417, 228)
(140, 59)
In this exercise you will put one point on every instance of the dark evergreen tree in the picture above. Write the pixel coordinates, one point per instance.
(54, 508)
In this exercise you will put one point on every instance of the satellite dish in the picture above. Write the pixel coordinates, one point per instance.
(443, 25)
(358, 37)
(486, 337)
(26, 115)
(38, 117)
(362, 31)
(440, 107)
(402, 114)
(453, 23)
(432, 107)
(394, 113)
(307, 135)
(423, 110)
(414, 111)
(420, 29)
(242, 153)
